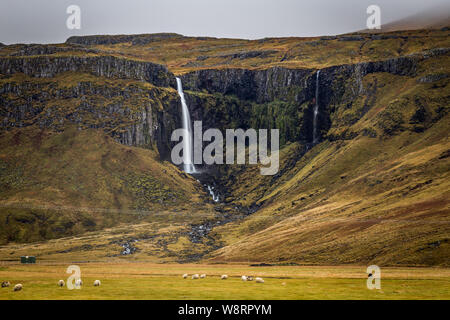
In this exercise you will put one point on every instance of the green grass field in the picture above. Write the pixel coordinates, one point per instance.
(164, 281)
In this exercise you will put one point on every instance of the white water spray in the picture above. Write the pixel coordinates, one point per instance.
(188, 160)
(316, 109)
(213, 195)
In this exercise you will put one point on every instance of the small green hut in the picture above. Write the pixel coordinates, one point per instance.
(28, 259)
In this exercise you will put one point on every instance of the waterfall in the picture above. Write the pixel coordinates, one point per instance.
(188, 163)
(316, 109)
(212, 194)
(188, 147)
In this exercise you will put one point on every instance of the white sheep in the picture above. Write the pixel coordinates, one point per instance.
(97, 283)
(203, 276)
(249, 278)
(224, 277)
(18, 287)
(259, 280)
(78, 283)
(195, 276)
(61, 283)
(244, 278)
(5, 284)
(185, 276)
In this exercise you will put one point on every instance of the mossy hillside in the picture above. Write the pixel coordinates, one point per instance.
(388, 104)
(218, 110)
(81, 180)
(367, 206)
(223, 111)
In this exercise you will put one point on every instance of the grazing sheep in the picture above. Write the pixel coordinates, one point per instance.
(5, 284)
(224, 277)
(185, 276)
(78, 283)
(244, 278)
(97, 283)
(203, 276)
(283, 284)
(259, 280)
(61, 283)
(249, 278)
(195, 276)
(18, 287)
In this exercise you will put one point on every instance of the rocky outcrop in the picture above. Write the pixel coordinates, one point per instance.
(284, 84)
(104, 66)
(351, 38)
(136, 39)
(258, 85)
(241, 55)
(38, 49)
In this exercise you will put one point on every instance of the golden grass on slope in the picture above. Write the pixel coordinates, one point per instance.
(56, 184)
(397, 214)
(185, 54)
(381, 199)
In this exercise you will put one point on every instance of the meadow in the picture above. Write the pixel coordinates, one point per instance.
(141, 280)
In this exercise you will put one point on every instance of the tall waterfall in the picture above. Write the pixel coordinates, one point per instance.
(316, 109)
(188, 159)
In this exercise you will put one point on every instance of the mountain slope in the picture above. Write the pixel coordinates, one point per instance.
(374, 191)
(87, 124)
(59, 184)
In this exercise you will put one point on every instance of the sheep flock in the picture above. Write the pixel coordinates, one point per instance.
(78, 282)
(223, 277)
(60, 283)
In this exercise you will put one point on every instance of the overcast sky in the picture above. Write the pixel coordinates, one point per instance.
(44, 21)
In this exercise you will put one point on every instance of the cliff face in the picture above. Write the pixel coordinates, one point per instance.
(294, 84)
(237, 97)
(294, 87)
(102, 66)
(131, 114)
(258, 85)
(135, 39)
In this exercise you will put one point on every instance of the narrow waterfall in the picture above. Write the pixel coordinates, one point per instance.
(188, 159)
(212, 194)
(316, 110)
